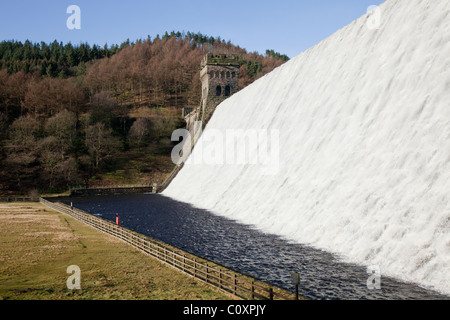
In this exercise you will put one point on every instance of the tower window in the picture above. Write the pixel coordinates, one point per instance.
(227, 91)
(218, 91)
(233, 75)
(228, 75)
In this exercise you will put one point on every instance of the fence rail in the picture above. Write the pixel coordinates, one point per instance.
(18, 199)
(119, 186)
(209, 272)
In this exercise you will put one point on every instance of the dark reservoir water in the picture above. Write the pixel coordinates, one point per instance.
(243, 248)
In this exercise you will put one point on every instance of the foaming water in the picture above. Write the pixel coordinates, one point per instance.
(243, 248)
(364, 147)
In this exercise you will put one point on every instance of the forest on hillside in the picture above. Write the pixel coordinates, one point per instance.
(78, 115)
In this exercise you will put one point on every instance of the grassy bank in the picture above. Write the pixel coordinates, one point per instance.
(38, 244)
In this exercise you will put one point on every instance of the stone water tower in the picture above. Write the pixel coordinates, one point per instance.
(219, 76)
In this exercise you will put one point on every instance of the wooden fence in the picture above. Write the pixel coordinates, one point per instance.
(119, 186)
(223, 278)
(18, 199)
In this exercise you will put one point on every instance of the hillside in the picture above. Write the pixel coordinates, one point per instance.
(78, 115)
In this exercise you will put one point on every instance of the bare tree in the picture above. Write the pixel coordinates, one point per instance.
(104, 100)
(100, 143)
(20, 165)
(103, 107)
(139, 131)
(63, 127)
(49, 158)
(23, 133)
(163, 126)
(48, 96)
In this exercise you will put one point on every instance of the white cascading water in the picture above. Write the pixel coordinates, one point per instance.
(364, 144)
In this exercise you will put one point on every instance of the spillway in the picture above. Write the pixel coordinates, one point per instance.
(362, 123)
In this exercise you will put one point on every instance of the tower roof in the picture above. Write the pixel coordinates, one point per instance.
(220, 60)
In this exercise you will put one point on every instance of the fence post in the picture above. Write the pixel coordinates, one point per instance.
(296, 280)
(253, 290)
(195, 268)
(235, 283)
(271, 293)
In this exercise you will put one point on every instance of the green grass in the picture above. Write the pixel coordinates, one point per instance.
(38, 244)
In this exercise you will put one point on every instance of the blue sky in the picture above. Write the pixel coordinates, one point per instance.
(287, 26)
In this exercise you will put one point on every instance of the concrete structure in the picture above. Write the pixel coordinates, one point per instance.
(219, 76)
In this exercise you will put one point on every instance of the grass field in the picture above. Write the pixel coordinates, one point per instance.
(38, 244)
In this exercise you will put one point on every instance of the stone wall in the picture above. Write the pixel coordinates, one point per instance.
(110, 191)
(219, 78)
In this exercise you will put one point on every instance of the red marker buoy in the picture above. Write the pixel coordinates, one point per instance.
(117, 221)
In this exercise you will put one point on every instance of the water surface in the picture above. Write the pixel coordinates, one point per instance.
(243, 248)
